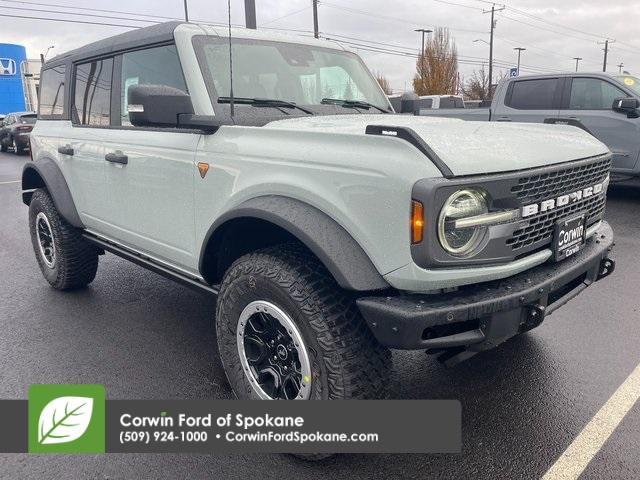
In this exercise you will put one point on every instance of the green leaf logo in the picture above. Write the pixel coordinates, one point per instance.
(64, 419)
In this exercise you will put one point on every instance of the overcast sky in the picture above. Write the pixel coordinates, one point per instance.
(573, 28)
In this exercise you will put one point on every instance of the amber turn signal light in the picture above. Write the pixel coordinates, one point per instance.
(417, 221)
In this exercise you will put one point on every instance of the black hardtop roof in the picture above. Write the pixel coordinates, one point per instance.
(140, 37)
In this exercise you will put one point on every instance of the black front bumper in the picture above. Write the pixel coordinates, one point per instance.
(482, 316)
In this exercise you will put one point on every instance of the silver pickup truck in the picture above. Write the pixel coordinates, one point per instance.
(602, 104)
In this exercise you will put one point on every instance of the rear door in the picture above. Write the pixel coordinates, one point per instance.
(82, 151)
(531, 100)
(588, 101)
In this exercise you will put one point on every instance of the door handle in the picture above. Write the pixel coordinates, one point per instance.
(117, 157)
(66, 150)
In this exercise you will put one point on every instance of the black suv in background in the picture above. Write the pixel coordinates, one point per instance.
(15, 131)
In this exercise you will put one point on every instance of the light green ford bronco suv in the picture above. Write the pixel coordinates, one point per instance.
(330, 228)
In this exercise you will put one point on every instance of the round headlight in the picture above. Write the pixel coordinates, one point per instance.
(460, 205)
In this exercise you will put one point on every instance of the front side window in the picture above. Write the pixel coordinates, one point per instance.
(593, 94)
(533, 94)
(52, 91)
(301, 74)
(153, 66)
(92, 87)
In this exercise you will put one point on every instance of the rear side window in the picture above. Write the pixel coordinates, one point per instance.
(451, 102)
(92, 93)
(533, 94)
(28, 119)
(52, 92)
(153, 66)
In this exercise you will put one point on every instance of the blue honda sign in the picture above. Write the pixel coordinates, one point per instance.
(513, 72)
(11, 84)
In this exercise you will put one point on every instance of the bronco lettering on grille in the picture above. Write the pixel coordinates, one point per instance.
(562, 200)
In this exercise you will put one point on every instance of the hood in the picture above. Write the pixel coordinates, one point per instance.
(470, 148)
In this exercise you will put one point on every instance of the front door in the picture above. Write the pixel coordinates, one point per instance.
(150, 173)
(589, 102)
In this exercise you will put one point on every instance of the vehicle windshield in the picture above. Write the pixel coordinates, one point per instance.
(632, 82)
(301, 74)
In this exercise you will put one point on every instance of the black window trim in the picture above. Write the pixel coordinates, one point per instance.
(566, 94)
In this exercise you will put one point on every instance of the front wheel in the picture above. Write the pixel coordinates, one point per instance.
(287, 331)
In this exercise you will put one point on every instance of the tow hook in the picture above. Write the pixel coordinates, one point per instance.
(534, 316)
(607, 266)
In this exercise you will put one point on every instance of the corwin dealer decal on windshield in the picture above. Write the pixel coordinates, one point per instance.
(563, 200)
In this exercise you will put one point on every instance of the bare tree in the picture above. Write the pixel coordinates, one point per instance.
(437, 66)
(383, 82)
(477, 87)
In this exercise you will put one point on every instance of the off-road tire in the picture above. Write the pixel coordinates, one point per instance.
(76, 260)
(346, 360)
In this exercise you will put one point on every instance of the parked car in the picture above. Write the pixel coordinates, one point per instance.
(330, 229)
(602, 104)
(426, 102)
(15, 131)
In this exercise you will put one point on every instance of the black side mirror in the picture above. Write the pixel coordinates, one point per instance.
(626, 105)
(157, 105)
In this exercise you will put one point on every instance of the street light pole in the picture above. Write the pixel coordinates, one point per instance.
(620, 65)
(520, 50)
(577, 59)
(186, 11)
(423, 31)
(421, 57)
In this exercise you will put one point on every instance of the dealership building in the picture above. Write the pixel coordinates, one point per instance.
(19, 79)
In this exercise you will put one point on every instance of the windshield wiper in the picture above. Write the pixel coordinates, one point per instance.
(263, 102)
(352, 104)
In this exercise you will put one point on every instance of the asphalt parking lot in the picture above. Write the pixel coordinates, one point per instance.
(145, 337)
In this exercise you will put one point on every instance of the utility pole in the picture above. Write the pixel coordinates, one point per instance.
(606, 52)
(620, 65)
(315, 18)
(493, 26)
(520, 50)
(577, 59)
(250, 14)
(186, 11)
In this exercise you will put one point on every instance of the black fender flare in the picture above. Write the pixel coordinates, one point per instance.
(329, 241)
(46, 173)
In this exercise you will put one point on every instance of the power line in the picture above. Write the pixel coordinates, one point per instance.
(41, 10)
(63, 20)
(89, 9)
(404, 21)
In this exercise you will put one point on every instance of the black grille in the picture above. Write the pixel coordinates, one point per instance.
(540, 227)
(534, 188)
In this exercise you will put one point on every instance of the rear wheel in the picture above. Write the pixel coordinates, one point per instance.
(3, 146)
(287, 331)
(17, 148)
(66, 260)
